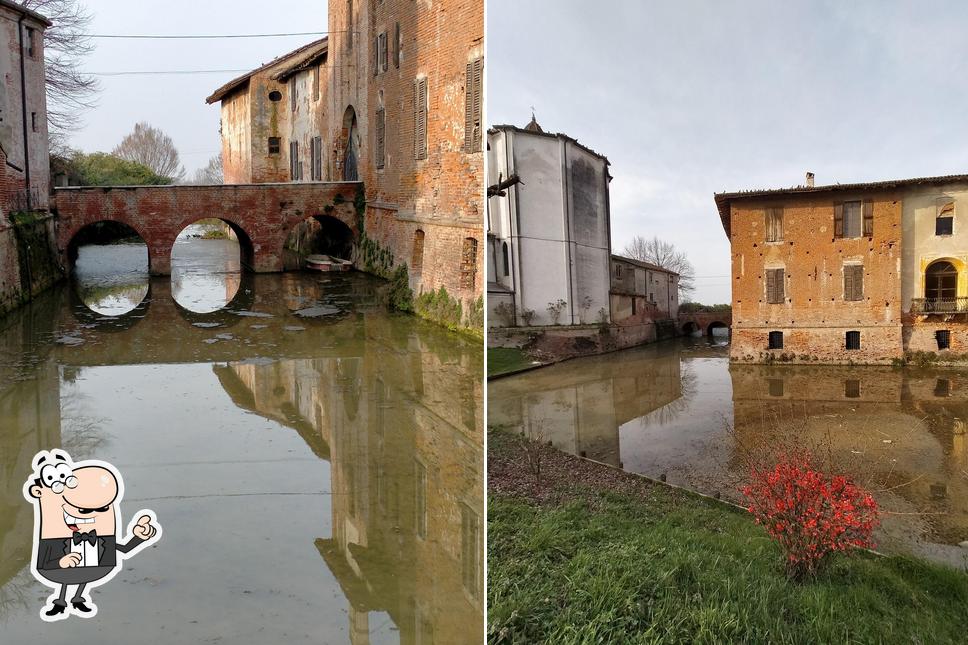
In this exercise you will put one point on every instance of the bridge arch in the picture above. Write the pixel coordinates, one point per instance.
(103, 232)
(690, 328)
(716, 324)
(320, 234)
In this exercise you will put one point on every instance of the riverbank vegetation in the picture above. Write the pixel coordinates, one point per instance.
(579, 552)
(506, 360)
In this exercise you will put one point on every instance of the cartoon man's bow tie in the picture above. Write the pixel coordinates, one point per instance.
(90, 536)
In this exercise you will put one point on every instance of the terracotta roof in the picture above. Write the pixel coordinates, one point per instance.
(300, 63)
(724, 200)
(644, 265)
(306, 51)
(25, 12)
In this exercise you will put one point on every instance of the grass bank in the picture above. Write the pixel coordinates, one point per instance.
(594, 555)
(506, 360)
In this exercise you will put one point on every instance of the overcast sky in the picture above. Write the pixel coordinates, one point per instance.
(691, 98)
(176, 103)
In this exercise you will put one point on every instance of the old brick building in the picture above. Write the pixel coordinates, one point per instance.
(273, 119)
(406, 101)
(26, 248)
(393, 98)
(859, 273)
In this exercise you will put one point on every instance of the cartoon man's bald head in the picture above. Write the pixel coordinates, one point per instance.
(73, 499)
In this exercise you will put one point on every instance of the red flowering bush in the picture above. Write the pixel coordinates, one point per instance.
(809, 513)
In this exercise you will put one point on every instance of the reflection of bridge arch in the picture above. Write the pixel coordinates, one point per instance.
(121, 322)
(243, 300)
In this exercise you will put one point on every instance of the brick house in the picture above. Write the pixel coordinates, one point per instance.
(273, 119)
(406, 105)
(860, 273)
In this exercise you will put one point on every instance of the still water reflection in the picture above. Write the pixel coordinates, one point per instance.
(679, 409)
(315, 461)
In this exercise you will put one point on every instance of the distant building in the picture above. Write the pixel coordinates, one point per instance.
(642, 292)
(25, 168)
(274, 118)
(861, 273)
(548, 231)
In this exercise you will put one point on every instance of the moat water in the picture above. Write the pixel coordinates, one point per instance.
(316, 461)
(678, 409)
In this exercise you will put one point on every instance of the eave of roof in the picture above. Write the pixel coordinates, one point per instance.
(26, 12)
(551, 135)
(724, 200)
(302, 64)
(644, 265)
(240, 81)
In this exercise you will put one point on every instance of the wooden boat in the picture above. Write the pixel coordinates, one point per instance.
(327, 263)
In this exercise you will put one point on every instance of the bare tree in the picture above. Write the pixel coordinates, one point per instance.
(210, 174)
(667, 256)
(153, 148)
(69, 91)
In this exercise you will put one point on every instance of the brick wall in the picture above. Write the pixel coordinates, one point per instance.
(814, 314)
(441, 195)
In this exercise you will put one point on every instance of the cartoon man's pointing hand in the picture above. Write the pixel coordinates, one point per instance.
(76, 517)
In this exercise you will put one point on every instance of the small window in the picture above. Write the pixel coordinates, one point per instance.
(396, 46)
(854, 219)
(853, 282)
(774, 224)
(775, 293)
(776, 386)
(420, 118)
(651, 297)
(383, 52)
(775, 340)
(418, 249)
(507, 259)
(30, 42)
(275, 143)
(316, 158)
(944, 224)
(473, 102)
(618, 271)
(852, 340)
(292, 93)
(381, 137)
(295, 167)
(942, 387)
(852, 388)
(468, 263)
(33, 121)
(275, 96)
(943, 338)
(316, 83)
(633, 305)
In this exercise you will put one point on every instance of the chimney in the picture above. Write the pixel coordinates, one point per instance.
(809, 180)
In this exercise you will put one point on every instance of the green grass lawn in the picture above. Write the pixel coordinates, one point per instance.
(503, 360)
(650, 564)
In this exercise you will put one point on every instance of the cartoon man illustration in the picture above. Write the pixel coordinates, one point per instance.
(76, 516)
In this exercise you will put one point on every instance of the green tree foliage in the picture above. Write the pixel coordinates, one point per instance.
(103, 169)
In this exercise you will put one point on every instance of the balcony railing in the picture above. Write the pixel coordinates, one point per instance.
(957, 305)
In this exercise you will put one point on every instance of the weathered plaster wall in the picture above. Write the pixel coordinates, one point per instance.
(589, 237)
(921, 246)
(814, 315)
(236, 138)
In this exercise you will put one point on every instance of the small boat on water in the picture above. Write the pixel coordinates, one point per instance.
(327, 263)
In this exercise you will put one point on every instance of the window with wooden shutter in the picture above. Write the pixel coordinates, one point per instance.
(852, 340)
(774, 286)
(381, 125)
(396, 45)
(853, 282)
(381, 52)
(838, 220)
(292, 93)
(316, 83)
(868, 218)
(774, 224)
(294, 170)
(317, 152)
(420, 118)
(473, 89)
(851, 216)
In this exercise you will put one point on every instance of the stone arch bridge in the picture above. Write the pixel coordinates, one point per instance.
(261, 215)
(704, 322)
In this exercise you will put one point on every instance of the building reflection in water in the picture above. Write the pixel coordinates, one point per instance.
(407, 500)
(679, 410)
